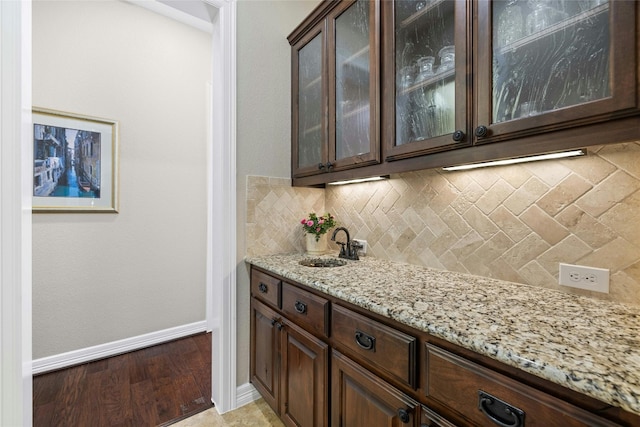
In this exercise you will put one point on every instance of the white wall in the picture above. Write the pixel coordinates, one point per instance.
(99, 278)
(264, 120)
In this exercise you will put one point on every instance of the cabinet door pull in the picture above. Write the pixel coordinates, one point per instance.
(481, 131)
(300, 307)
(279, 326)
(458, 136)
(500, 412)
(403, 415)
(263, 288)
(329, 165)
(320, 166)
(365, 341)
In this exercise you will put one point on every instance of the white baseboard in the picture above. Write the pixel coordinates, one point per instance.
(89, 354)
(246, 393)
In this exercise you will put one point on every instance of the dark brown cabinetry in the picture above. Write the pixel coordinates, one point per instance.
(388, 349)
(265, 353)
(426, 52)
(320, 361)
(483, 397)
(289, 366)
(467, 81)
(336, 89)
(570, 63)
(359, 398)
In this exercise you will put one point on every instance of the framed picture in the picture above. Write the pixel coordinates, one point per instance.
(75, 163)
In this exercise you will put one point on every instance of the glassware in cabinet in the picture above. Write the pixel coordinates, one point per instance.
(551, 56)
(429, 92)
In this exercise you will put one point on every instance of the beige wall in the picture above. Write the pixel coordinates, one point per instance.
(263, 116)
(513, 223)
(98, 278)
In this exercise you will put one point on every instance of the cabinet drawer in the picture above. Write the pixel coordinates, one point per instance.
(389, 350)
(480, 394)
(306, 309)
(266, 288)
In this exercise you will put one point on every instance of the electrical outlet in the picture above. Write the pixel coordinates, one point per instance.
(590, 278)
(363, 250)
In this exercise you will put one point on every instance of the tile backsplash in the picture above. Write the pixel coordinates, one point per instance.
(514, 223)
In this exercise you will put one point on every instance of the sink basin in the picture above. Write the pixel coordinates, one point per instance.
(322, 262)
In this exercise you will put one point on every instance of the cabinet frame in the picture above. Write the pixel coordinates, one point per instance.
(462, 29)
(322, 21)
(608, 121)
(373, 156)
(623, 82)
(297, 170)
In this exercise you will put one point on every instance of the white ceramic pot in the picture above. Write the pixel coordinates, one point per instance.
(316, 247)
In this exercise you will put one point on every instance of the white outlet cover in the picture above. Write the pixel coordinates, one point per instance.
(582, 277)
(364, 244)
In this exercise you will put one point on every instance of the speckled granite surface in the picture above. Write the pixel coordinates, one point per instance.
(587, 345)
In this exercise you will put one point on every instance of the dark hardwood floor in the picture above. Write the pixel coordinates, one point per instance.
(153, 386)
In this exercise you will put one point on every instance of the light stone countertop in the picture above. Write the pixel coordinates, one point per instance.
(587, 345)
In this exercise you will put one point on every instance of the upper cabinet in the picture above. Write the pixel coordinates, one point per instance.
(336, 93)
(544, 65)
(393, 86)
(310, 119)
(426, 53)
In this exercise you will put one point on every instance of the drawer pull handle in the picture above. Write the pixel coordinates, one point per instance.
(300, 307)
(403, 415)
(263, 288)
(500, 412)
(365, 341)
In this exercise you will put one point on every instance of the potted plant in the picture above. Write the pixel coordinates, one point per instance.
(316, 228)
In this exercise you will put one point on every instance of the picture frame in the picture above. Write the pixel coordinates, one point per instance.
(75, 162)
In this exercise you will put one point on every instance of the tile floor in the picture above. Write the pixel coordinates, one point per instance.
(257, 413)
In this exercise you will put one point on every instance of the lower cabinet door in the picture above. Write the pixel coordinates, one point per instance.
(305, 378)
(264, 365)
(359, 398)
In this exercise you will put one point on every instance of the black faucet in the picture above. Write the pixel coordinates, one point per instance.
(347, 250)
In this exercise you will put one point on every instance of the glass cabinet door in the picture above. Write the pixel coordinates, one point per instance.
(551, 62)
(310, 121)
(354, 93)
(429, 63)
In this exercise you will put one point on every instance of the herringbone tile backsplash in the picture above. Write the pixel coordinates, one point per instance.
(514, 223)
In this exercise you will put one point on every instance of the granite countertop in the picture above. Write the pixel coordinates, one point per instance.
(587, 345)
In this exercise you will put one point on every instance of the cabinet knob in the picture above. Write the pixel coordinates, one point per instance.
(263, 288)
(403, 415)
(501, 413)
(320, 166)
(481, 131)
(279, 326)
(458, 136)
(329, 165)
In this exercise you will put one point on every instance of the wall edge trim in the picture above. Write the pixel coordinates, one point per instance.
(246, 393)
(101, 351)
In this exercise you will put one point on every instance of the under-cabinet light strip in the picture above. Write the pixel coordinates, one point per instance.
(355, 181)
(549, 156)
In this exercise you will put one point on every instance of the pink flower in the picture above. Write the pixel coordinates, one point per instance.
(318, 229)
(304, 221)
(321, 221)
(309, 223)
